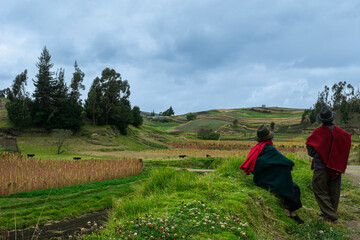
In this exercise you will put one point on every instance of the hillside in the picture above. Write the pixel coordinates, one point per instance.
(160, 192)
(153, 137)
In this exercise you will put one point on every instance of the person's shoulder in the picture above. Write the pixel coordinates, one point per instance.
(342, 131)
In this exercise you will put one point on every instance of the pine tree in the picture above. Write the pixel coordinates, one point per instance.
(44, 88)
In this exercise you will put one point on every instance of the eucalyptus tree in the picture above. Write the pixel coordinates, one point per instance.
(18, 108)
(77, 84)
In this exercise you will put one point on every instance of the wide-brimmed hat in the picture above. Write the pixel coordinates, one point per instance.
(325, 114)
(263, 134)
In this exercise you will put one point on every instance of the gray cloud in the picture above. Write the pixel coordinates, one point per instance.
(192, 55)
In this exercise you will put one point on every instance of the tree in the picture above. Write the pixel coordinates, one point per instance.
(137, 118)
(191, 116)
(107, 101)
(272, 126)
(168, 112)
(18, 108)
(4, 92)
(44, 88)
(92, 104)
(17, 91)
(61, 138)
(344, 100)
(235, 122)
(76, 85)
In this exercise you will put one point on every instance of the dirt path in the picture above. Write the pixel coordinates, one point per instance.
(195, 170)
(353, 172)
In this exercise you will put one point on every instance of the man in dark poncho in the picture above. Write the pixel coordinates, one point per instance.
(329, 145)
(272, 171)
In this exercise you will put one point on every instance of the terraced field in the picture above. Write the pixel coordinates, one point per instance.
(248, 118)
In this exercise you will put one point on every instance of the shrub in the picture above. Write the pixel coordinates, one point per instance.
(208, 134)
(191, 116)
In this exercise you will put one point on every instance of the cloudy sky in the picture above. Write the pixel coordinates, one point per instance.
(193, 55)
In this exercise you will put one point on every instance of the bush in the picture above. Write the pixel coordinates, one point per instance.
(191, 116)
(208, 134)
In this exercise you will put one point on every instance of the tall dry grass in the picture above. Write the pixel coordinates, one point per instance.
(20, 174)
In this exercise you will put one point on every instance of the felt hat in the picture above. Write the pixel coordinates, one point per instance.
(325, 114)
(263, 134)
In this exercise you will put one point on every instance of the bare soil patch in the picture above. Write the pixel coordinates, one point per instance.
(61, 229)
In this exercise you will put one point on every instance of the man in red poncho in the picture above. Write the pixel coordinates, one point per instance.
(272, 171)
(329, 145)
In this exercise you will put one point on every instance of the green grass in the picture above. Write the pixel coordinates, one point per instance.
(243, 113)
(216, 205)
(161, 126)
(195, 125)
(4, 121)
(65, 202)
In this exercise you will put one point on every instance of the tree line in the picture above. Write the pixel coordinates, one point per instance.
(342, 98)
(54, 105)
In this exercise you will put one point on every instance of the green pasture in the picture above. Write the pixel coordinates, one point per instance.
(161, 126)
(195, 125)
(245, 113)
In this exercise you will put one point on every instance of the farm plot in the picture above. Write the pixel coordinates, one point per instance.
(19, 174)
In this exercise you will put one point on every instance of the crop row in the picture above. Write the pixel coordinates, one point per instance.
(229, 145)
(19, 174)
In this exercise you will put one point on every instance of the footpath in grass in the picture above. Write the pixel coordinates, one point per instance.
(62, 203)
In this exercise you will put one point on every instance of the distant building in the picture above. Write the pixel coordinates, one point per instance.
(145, 114)
(263, 105)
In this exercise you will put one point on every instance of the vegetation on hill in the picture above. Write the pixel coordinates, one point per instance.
(343, 100)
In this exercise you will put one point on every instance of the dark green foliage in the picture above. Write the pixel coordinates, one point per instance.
(19, 106)
(344, 101)
(137, 118)
(4, 92)
(107, 101)
(272, 126)
(76, 85)
(208, 134)
(44, 89)
(17, 91)
(18, 113)
(54, 107)
(168, 112)
(235, 122)
(92, 104)
(191, 116)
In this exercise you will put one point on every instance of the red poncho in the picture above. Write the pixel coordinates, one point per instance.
(249, 164)
(333, 148)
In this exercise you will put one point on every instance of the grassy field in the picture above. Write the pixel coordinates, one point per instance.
(62, 203)
(179, 204)
(159, 193)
